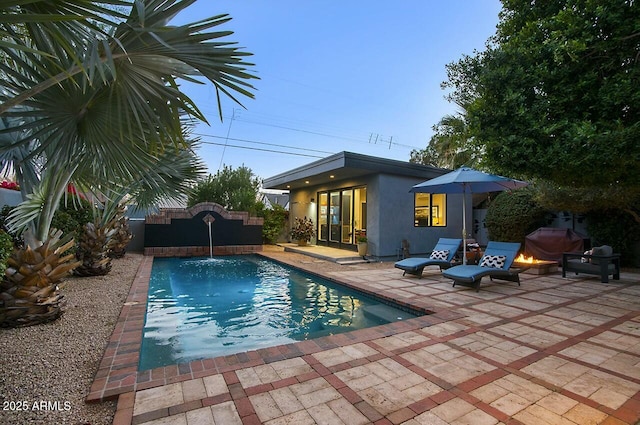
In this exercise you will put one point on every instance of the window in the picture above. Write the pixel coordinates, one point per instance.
(430, 210)
(422, 206)
(439, 210)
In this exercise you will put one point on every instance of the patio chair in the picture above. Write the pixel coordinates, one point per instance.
(495, 263)
(599, 261)
(442, 255)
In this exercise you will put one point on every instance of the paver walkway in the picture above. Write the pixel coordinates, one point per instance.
(552, 351)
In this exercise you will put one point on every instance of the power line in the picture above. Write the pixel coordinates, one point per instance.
(225, 142)
(301, 131)
(324, 134)
(260, 143)
(296, 122)
(263, 150)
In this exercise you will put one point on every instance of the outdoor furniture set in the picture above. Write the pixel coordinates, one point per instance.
(497, 260)
(497, 263)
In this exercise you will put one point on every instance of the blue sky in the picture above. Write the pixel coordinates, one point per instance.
(361, 76)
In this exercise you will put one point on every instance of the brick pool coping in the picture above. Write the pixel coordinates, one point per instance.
(567, 327)
(118, 371)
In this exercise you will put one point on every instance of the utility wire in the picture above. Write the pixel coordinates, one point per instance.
(323, 134)
(262, 149)
(233, 114)
(261, 143)
(301, 131)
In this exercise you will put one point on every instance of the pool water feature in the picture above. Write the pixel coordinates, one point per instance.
(201, 308)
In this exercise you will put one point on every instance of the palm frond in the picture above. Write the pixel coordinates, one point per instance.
(103, 103)
(139, 106)
(25, 214)
(167, 52)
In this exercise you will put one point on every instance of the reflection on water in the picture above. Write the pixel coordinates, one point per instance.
(207, 307)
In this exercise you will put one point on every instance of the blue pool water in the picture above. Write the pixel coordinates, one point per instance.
(207, 307)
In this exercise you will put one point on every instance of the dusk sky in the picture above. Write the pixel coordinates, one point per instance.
(361, 76)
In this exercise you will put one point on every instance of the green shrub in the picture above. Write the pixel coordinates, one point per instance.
(274, 221)
(513, 215)
(80, 211)
(6, 248)
(4, 214)
(617, 229)
(62, 220)
(71, 219)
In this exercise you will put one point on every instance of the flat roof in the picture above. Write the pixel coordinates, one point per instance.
(346, 165)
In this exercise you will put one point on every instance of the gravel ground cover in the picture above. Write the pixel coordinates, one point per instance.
(46, 370)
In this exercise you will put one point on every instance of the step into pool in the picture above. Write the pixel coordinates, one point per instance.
(201, 308)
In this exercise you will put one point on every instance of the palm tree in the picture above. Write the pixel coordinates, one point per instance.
(172, 177)
(29, 292)
(450, 146)
(122, 233)
(91, 94)
(112, 104)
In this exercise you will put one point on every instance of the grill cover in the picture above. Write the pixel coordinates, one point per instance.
(548, 243)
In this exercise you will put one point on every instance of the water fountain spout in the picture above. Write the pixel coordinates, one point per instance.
(209, 219)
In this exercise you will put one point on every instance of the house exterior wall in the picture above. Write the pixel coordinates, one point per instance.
(390, 213)
(396, 218)
(300, 205)
(10, 197)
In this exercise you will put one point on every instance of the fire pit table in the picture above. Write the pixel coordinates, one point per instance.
(531, 265)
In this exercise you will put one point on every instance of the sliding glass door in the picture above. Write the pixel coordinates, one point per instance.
(323, 220)
(334, 217)
(342, 216)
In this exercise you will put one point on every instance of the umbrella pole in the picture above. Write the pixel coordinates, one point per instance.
(464, 226)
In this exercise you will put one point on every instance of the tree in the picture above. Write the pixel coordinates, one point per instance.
(450, 146)
(106, 236)
(91, 94)
(556, 94)
(235, 190)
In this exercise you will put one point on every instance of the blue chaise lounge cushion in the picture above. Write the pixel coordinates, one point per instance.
(415, 265)
(496, 261)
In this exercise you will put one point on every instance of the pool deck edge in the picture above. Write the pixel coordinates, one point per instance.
(118, 371)
(528, 339)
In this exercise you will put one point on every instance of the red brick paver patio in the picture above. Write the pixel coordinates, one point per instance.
(552, 351)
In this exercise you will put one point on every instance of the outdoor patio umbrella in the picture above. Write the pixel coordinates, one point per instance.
(466, 180)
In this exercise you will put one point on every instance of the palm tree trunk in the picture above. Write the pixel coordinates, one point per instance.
(55, 190)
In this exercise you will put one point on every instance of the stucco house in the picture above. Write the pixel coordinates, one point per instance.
(347, 195)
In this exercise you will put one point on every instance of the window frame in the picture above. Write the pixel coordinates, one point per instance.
(430, 207)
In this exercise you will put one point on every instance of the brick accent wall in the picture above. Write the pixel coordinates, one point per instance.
(183, 232)
(201, 251)
(167, 214)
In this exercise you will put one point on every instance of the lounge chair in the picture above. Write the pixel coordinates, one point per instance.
(495, 263)
(442, 255)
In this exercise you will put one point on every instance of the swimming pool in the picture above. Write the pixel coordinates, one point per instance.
(207, 307)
